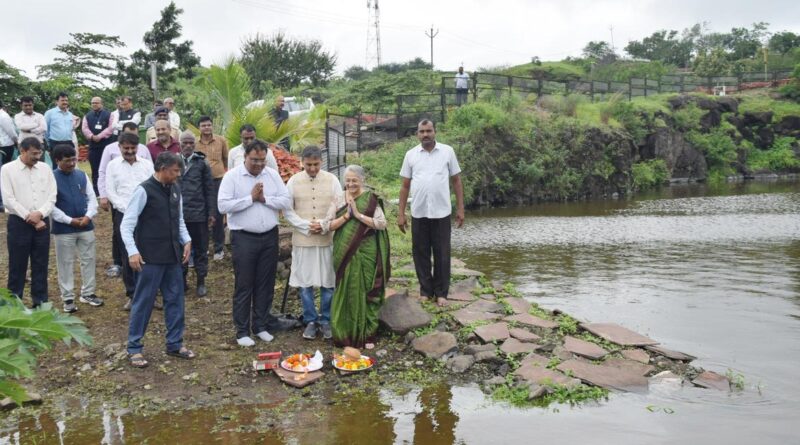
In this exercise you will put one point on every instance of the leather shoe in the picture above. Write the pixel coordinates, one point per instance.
(201, 290)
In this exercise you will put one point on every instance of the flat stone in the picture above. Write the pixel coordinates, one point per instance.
(496, 380)
(636, 355)
(489, 297)
(584, 348)
(712, 380)
(540, 375)
(467, 285)
(623, 363)
(460, 363)
(492, 332)
(485, 306)
(464, 272)
(82, 354)
(474, 349)
(466, 316)
(524, 335)
(519, 305)
(536, 391)
(288, 377)
(436, 344)
(618, 334)
(514, 346)
(562, 354)
(605, 376)
(669, 353)
(487, 356)
(456, 263)
(402, 313)
(665, 381)
(531, 320)
(535, 359)
(461, 296)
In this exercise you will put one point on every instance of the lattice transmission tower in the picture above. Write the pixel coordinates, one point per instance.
(373, 58)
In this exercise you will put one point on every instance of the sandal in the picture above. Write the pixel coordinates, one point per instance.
(137, 360)
(183, 353)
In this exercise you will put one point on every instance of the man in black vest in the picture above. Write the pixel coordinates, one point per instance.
(157, 243)
(97, 128)
(125, 113)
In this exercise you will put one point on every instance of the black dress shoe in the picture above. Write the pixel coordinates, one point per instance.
(201, 290)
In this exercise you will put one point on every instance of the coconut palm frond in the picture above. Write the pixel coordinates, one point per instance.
(229, 85)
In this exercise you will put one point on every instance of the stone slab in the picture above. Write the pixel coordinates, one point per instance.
(492, 332)
(288, 377)
(490, 297)
(618, 334)
(464, 272)
(465, 316)
(531, 320)
(623, 363)
(605, 376)
(488, 356)
(584, 348)
(636, 355)
(474, 349)
(669, 353)
(485, 306)
(712, 380)
(524, 335)
(514, 346)
(535, 359)
(461, 296)
(460, 363)
(467, 285)
(436, 344)
(519, 305)
(402, 313)
(540, 375)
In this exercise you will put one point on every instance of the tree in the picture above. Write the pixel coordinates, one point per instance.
(356, 72)
(13, 84)
(713, 63)
(173, 59)
(285, 62)
(743, 43)
(85, 58)
(598, 51)
(783, 42)
(664, 46)
(394, 68)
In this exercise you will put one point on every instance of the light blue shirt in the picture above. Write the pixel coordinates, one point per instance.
(59, 124)
(132, 212)
(235, 200)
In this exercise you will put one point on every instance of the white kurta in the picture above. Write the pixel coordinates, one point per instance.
(312, 265)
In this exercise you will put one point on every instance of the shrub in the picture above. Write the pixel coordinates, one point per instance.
(779, 157)
(649, 173)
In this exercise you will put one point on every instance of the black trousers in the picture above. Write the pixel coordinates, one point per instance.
(95, 155)
(432, 236)
(218, 231)
(128, 277)
(198, 231)
(255, 261)
(26, 244)
(116, 240)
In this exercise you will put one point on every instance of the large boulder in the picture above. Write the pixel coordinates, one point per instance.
(436, 344)
(402, 313)
(758, 118)
(788, 126)
(707, 103)
(683, 160)
(711, 119)
(728, 104)
(678, 102)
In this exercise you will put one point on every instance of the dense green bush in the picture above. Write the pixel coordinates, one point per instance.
(780, 157)
(649, 173)
(719, 149)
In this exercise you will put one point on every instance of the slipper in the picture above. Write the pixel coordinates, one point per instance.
(183, 353)
(137, 360)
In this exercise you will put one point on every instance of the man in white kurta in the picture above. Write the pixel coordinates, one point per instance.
(314, 196)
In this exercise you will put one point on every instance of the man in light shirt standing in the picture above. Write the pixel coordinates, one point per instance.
(28, 122)
(174, 117)
(60, 122)
(252, 196)
(426, 172)
(247, 134)
(29, 194)
(126, 113)
(73, 229)
(8, 135)
(124, 175)
(216, 150)
(97, 128)
(462, 86)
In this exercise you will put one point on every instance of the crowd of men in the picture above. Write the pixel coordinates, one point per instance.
(168, 202)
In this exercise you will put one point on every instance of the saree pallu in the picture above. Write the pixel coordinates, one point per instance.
(361, 262)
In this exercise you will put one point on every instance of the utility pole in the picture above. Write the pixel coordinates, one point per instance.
(154, 79)
(611, 28)
(373, 36)
(431, 36)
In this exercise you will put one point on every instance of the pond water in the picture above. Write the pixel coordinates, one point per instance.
(714, 272)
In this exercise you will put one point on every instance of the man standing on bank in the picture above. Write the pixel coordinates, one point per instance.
(29, 195)
(313, 191)
(157, 243)
(252, 195)
(426, 171)
(73, 229)
(216, 150)
(59, 123)
(97, 128)
(197, 188)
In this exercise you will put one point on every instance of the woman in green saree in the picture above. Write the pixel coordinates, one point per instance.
(361, 263)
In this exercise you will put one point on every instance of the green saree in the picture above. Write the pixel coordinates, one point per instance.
(361, 261)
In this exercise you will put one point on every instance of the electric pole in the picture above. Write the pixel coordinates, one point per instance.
(431, 36)
(611, 28)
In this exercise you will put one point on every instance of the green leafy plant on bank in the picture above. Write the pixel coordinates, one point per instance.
(649, 173)
(24, 334)
(780, 157)
(518, 395)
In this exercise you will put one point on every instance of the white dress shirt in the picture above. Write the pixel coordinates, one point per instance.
(30, 125)
(235, 200)
(430, 174)
(91, 205)
(8, 134)
(27, 189)
(174, 120)
(110, 153)
(122, 178)
(236, 158)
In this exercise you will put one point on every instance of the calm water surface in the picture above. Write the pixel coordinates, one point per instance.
(711, 272)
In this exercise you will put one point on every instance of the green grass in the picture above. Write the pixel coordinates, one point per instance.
(555, 70)
(763, 103)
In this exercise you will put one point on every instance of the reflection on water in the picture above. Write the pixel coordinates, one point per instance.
(715, 273)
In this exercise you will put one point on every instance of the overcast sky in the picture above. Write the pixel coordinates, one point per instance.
(477, 33)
